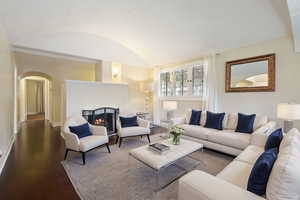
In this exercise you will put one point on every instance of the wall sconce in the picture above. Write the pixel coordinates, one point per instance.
(116, 70)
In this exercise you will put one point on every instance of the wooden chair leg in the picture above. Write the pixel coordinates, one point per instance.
(107, 146)
(148, 136)
(117, 139)
(83, 157)
(66, 154)
(120, 142)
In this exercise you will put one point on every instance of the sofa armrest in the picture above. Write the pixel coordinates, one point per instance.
(98, 130)
(72, 141)
(198, 185)
(178, 120)
(143, 123)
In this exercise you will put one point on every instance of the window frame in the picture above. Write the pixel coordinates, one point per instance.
(190, 68)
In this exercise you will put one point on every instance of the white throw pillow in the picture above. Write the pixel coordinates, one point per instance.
(188, 115)
(284, 181)
(203, 118)
(288, 138)
(232, 121)
(259, 121)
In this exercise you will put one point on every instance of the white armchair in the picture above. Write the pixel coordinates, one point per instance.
(85, 144)
(141, 130)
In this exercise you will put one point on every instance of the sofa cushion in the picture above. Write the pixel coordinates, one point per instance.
(134, 131)
(214, 120)
(93, 141)
(236, 173)
(284, 181)
(232, 120)
(196, 131)
(261, 170)
(230, 138)
(274, 139)
(81, 130)
(250, 154)
(245, 123)
(195, 117)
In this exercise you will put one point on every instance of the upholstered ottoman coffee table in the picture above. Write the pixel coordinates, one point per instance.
(160, 162)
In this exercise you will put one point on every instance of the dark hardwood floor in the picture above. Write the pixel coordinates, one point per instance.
(33, 170)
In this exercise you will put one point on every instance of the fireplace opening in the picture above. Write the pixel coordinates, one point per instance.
(105, 116)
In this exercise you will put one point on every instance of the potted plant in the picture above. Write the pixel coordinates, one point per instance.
(176, 132)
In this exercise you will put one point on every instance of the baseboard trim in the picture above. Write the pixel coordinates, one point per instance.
(6, 154)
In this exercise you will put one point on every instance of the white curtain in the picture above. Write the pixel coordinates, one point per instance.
(40, 97)
(35, 96)
(210, 85)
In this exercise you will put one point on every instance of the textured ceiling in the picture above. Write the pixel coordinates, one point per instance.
(142, 32)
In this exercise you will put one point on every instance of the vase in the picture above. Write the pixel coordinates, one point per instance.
(176, 140)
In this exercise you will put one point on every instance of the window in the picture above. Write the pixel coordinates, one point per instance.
(178, 83)
(198, 74)
(185, 81)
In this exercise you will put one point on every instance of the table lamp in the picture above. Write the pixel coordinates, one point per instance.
(288, 112)
(169, 106)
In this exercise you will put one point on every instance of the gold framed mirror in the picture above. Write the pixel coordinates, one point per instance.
(255, 74)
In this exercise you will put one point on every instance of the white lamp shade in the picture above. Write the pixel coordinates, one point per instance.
(288, 111)
(170, 105)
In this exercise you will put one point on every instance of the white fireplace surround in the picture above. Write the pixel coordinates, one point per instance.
(85, 95)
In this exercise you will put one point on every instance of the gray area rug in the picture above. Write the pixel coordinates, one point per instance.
(118, 176)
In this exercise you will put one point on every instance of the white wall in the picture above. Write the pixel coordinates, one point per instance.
(6, 97)
(134, 76)
(83, 95)
(287, 79)
(59, 70)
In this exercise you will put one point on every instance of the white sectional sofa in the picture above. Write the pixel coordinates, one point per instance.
(227, 140)
(231, 182)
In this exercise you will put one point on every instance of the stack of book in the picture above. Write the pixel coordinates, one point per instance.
(159, 148)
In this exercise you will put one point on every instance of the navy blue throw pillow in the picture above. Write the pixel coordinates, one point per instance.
(195, 117)
(129, 121)
(274, 139)
(81, 130)
(214, 120)
(245, 123)
(258, 179)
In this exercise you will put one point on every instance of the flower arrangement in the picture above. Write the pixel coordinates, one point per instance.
(176, 132)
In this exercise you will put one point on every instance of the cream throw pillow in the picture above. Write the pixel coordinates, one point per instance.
(284, 181)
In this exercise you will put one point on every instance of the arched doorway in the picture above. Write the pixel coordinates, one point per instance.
(35, 99)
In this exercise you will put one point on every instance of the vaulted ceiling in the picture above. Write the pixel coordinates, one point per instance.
(142, 32)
